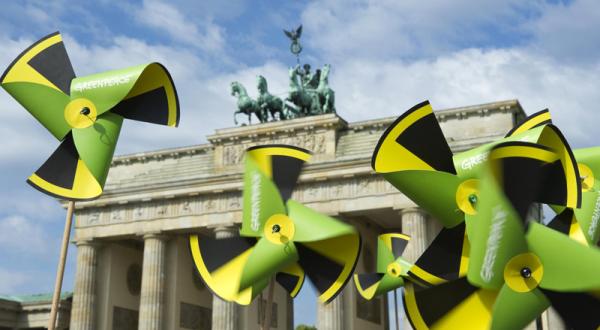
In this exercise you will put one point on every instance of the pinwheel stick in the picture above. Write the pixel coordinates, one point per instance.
(267, 324)
(61, 266)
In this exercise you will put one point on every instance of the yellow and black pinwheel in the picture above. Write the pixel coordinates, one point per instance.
(413, 155)
(530, 265)
(84, 113)
(391, 270)
(280, 237)
(516, 269)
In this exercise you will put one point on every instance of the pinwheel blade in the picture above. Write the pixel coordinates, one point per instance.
(537, 119)
(374, 284)
(565, 186)
(440, 201)
(267, 258)
(283, 164)
(245, 297)
(588, 216)
(413, 155)
(65, 175)
(567, 265)
(389, 247)
(220, 263)
(270, 176)
(510, 182)
(96, 144)
(328, 249)
(153, 98)
(291, 278)
(261, 197)
(329, 263)
(515, 310)
(445, 259)
(39, 79)
(367, 284)
(566, 223)
(452, 305)
(312, 226)
(414, 141)
(578, 310)
(144, 92)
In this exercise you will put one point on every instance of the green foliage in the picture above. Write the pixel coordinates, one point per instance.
(305, 327)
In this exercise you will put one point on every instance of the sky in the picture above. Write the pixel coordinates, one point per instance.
(386, 56)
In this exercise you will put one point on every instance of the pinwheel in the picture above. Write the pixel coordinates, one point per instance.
(85, 114)
(530, 265)
(413, 155)
(391, 267)
(517, 269)
(280, 237)
(583, 224)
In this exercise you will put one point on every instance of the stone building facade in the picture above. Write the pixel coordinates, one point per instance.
(133, 264)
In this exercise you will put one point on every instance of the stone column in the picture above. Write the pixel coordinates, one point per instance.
(225, 315)
(84, 292)
(153, 283)
(331, 316)
(414, 224)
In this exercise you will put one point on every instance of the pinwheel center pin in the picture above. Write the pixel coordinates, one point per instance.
(467, 196)
(394, 269)
(80, 113)
(523, 272)
(279, 229)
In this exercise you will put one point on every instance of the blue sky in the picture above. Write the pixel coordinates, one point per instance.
(386, 56)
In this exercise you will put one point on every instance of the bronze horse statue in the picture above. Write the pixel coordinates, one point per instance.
(326, 94)
(268, 103)
(246, 105)
(305, 101)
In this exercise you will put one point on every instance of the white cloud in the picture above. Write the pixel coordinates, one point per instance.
(472, 76)
(414, 29)
(165, 17)
(390, 55)
(20, 234)
(568, 32)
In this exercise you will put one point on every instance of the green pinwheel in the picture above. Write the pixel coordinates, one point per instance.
(583, 224)
(413, 155)
(391, 270)
(530, 265)
(516, 270)
(280, 237)
(85, 113)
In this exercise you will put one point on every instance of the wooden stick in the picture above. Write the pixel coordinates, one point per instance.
(61, 266)
(267, 324)
(396, 310)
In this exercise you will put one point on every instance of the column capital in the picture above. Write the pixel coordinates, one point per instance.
(87, 242)
(412, 210)
(226, 231)
(156, 235)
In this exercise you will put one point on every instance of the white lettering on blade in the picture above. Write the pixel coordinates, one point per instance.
(493, 243)
(595, 219)
(255, 201)
(473, 161)
(101, 83)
